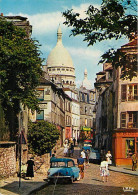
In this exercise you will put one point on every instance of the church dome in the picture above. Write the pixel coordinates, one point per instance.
(86, 83)
(59, 56)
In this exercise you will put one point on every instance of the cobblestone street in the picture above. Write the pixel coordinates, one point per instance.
(92, 183)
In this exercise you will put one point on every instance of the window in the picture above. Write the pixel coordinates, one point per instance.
(123, 120)
(40, 115)
(85, 110)
(129, 92)
(87, 98)
(70, 164)
(123, 92)
(130, 147)
(41, 94)
(135, 92)
(129, 119)
(110, 75)
(85, 121)
(133, 120)
(130, 95)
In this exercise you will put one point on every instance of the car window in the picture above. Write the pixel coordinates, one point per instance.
(70, 164)
(58, 164)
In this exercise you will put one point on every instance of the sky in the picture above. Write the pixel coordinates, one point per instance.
(45, 17)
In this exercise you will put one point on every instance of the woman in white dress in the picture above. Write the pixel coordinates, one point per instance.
(104, 170)
(65, 148)
(109, 157)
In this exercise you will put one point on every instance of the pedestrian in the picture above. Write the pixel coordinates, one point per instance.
(53, 157)
(87, 157)
(80, 162)
(65, 148)
(104, 169)
(109, 157)
(134, 162)
(71, 149)
(83, 153)
(30, 168)
(74, 141)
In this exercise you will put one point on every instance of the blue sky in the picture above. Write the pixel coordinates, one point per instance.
(45, 16)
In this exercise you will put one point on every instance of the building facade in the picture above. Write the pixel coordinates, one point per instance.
(117, 110)
(125, 134)
(87, 101)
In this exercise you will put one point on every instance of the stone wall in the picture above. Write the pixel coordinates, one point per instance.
(42, 163)
(7, 159)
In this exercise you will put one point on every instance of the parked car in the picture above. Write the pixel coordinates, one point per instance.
(63, 168)
(94, 155)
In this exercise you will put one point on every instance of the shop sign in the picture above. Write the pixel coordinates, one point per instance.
(86, 129)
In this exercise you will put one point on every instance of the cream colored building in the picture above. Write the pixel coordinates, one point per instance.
(87, 101)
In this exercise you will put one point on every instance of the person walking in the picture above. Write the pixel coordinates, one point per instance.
(87, 157)
(109, 157)
(134, 162)
(65, 148)
(71, 150)
(30, 168)
(74, 141)
(83, 154)
(80, 162)
(104, 172)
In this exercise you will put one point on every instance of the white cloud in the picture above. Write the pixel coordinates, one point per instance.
(82, 8)
(84, 52)
(43, 23)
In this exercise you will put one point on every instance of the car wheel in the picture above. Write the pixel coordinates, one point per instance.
(50, 181)
(71, 180)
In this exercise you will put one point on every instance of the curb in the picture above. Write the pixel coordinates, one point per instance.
(136, 174)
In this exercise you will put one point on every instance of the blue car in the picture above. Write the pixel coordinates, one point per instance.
(95, 155)
(63, 168)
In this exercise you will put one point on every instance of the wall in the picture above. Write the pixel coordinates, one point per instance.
(7, 159)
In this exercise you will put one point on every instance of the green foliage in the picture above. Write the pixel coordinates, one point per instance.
(20, 71)
(4, 131)
(42, 137)
(115, 19)
(20, 67)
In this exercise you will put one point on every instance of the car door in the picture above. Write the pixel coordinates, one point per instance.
(74, 169)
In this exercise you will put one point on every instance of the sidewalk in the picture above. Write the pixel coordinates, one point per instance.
(10, 186)
(126, 170)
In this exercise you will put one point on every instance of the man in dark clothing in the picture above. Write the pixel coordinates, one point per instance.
(80, 162)
(74, 141)
(53, 157)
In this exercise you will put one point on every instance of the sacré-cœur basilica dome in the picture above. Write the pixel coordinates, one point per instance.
(59, 64)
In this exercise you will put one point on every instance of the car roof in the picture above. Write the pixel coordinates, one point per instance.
(61, 160)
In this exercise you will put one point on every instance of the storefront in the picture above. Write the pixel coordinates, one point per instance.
(125, 143)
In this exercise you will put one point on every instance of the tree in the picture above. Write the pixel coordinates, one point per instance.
(112, 20)
(20, 71)
(42, 137)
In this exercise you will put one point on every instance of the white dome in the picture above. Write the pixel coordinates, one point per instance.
(59, 56)
(86, 83)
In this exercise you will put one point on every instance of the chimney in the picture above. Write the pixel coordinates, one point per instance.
(1, 14)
